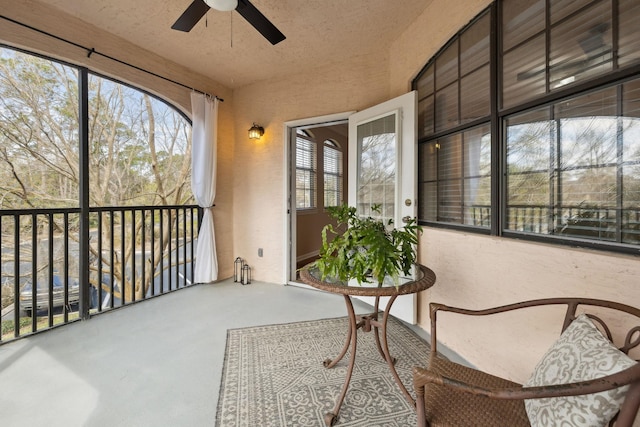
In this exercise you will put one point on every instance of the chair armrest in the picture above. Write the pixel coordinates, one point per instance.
(422, 377)
(570, 314)
(435, 307)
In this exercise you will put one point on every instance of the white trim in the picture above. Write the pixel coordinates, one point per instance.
(308, 255)
(319, 120)
(404, 109)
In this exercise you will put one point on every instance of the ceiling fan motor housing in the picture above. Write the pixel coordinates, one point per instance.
(222, 5)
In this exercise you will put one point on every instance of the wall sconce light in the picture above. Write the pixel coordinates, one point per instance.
(255, 131)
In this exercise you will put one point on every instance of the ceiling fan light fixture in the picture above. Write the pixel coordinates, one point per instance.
(222, 5)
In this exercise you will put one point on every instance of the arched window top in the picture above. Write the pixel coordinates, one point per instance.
(137, 142)
(305, 133)
(332, 143)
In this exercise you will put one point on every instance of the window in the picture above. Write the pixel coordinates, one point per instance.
(377, 151)
(137, 155)
(129, 131)
(575, 46)
(139, 147)
(458, 178)
(38, 132)
(572, 168)
(547, 145)
(454, 88)
(332, 174)
(455, 158)
(305, 171)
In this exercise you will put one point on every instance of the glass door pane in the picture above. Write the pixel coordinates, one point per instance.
(377, 155)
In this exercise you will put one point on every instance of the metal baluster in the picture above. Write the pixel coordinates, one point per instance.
(184, 246)
(50, 281)
(34, 273)
(143, 257)
(123, 278)
(133, 255)
(169, 247)
(99, 260)
(153, 251)
(162, 251)
(16, 275)
(177, 267)
(112, 276)
(65, 275)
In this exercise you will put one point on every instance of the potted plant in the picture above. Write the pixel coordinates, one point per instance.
(368, 248)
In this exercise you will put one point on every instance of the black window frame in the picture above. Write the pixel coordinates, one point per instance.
(498, 118)
(84, 206)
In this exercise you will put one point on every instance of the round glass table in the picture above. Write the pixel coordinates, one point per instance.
(423, 279)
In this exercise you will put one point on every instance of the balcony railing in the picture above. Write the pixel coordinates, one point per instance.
(133, 253)
(579, 221)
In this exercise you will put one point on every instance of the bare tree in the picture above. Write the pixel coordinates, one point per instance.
(140, 151)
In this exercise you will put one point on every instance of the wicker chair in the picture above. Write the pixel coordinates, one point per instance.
(449, 394)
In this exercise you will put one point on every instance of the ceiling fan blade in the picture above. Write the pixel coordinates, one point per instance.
(191, 16)
(259, 22)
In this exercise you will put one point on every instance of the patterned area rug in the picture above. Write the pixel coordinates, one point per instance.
(273, 376)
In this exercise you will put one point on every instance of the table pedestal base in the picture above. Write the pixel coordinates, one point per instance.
(365, 323)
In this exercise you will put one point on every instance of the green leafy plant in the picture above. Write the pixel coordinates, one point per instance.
(367, 249)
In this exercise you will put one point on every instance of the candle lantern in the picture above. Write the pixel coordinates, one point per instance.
(237, 269)
(246, 274)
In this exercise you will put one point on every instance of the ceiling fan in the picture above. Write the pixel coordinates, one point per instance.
(199, 8)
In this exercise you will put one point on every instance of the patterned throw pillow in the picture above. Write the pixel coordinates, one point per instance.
(581, 353)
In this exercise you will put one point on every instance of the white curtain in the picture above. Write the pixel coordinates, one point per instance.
(204, 142)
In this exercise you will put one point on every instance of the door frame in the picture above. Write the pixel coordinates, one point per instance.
(404, 108)
(289, 208)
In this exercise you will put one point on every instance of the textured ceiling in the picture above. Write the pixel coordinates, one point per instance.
(228, 49)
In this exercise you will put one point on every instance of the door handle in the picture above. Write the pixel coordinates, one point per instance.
(406, 219)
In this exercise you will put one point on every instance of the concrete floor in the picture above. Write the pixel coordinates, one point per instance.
(156, 363)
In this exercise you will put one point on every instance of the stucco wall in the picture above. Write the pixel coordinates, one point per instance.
(481, 271)
(67, 27)
(259, 181)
